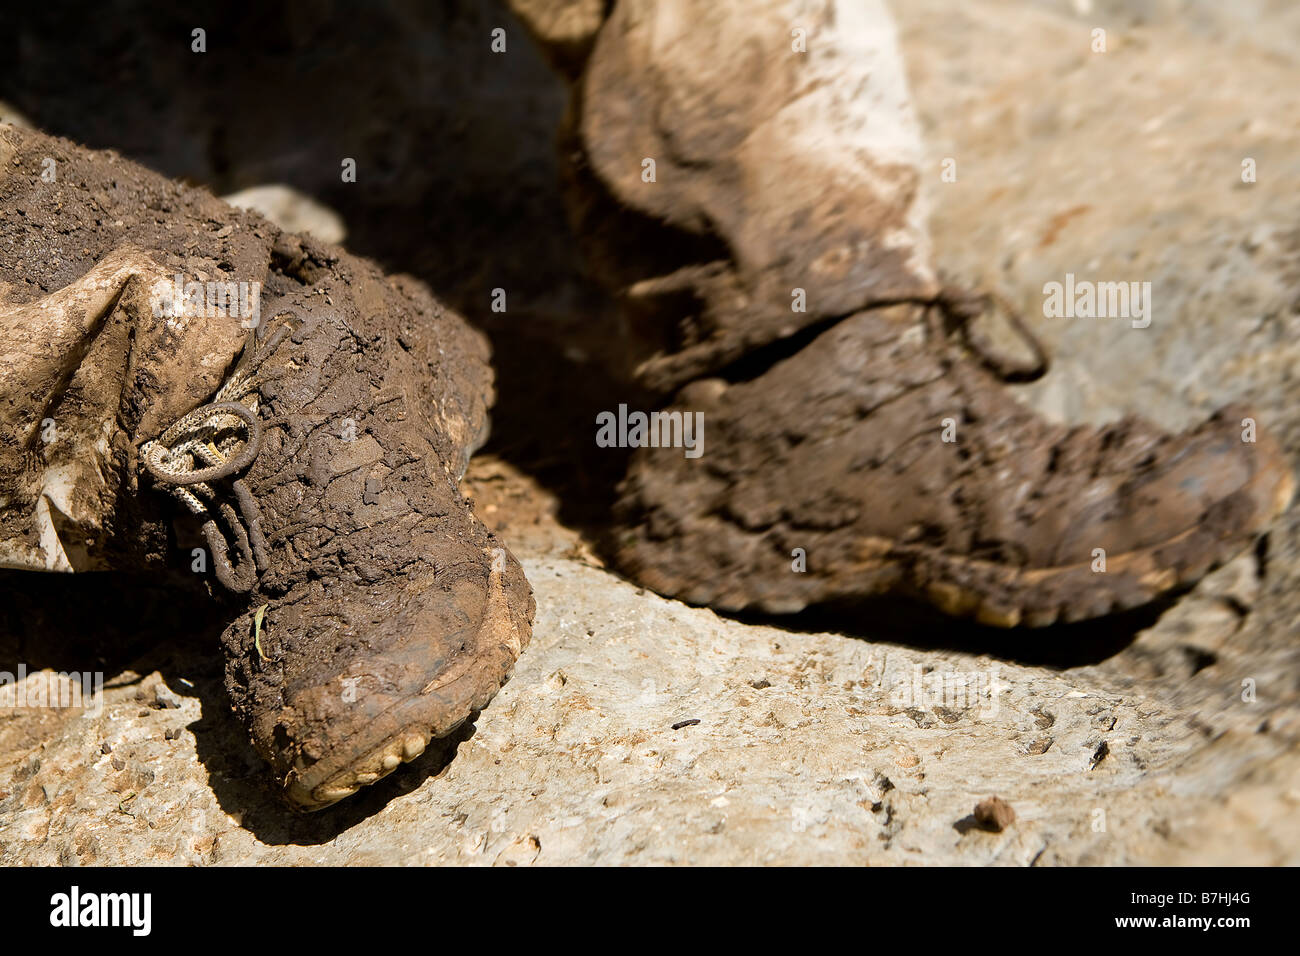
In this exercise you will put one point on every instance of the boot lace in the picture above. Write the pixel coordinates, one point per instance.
(212, 443)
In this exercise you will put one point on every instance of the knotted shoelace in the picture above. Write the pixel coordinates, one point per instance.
(214, 442)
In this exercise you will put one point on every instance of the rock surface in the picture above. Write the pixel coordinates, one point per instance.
(637, 730)
(291, 210)
(1166, 738)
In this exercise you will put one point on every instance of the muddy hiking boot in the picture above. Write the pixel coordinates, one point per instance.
(318, 453)
(383, 613)
(874, 462)
(752, 195)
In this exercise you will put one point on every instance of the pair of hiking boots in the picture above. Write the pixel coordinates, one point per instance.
(318, 453)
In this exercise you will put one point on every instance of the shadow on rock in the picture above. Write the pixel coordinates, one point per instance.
(128, 626)
(913, 624)
(252, 800)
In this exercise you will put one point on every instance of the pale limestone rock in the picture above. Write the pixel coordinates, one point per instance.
(292, 211)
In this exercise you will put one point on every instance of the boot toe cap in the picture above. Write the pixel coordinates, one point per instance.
(361, 683)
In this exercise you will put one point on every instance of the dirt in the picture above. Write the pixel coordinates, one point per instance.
(64, 216)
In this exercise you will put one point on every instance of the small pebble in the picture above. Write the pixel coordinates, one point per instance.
(994, 814)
